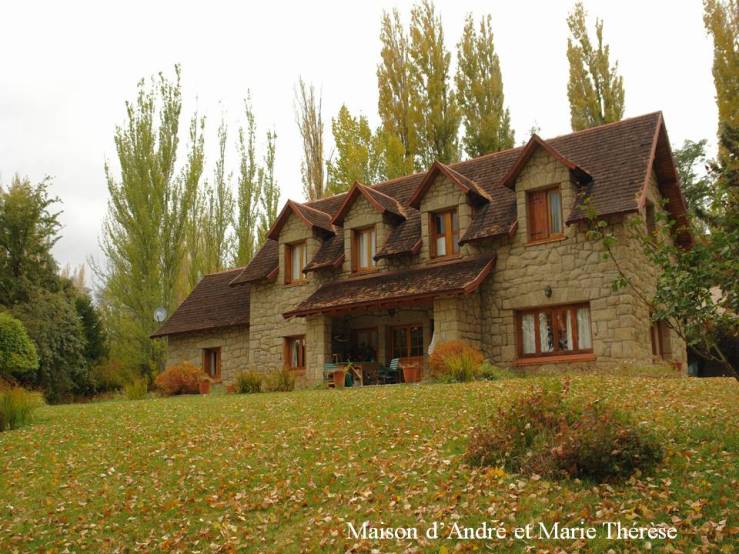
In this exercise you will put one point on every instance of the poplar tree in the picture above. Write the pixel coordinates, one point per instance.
(249, 192)
(487, 122)
(357, 152)
(395, 97)
(309, 118)
(143, 236)
(437, 123)
(595, 90)
(269, 190)
(722, 23)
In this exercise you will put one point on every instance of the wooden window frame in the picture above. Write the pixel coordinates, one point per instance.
(289, 264)
(373, 331)
(215, 375)
(656, 340)
(287, 352)
(449, 237)
(555, 332)
(409, 343)
(357, 235)
(531, 216)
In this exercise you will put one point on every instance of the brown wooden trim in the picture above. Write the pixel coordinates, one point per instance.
(534, 142)
(357, 235)
(448, 220)
(408, 342)
(650, 163)
(287, 352)
(435, 168)
(572, 309)
(533, 215)
(303, 245)
(562, 358)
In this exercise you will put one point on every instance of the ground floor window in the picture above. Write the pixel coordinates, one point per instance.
(557, 330)
(406, 341)
(295, 352)
(364, 345)
(655, 335)
(212, 362)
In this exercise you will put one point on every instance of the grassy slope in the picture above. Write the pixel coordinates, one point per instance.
(282, 472)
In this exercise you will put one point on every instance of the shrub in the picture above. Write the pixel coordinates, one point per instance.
(455, 360)
(279, 380)
(489, 372)
(248, 382)
(16, 407)
(183, 378)
(543, 433)
(137, 389)
(17, 351)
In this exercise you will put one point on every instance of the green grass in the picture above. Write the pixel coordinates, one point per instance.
(284, 472)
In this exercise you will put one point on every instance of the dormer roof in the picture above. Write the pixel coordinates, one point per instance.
(313, 218)
(475, 193)
(380, 201)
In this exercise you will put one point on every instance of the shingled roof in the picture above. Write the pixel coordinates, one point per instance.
(262, 266)
(612, 161)
(378, 200)
(210, 305)
(403, 286)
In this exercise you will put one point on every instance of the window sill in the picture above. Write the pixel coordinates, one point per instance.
(562, 358)
(545, 241)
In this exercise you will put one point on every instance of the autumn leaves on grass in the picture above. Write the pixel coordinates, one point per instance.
(547, 433)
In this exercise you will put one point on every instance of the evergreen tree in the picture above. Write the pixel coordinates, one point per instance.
(148, 213)
(309, 118)
(248, 190)
(438, 117)
(722, 22)
(487, 122)
(395, 97)
(691, 162)
(269, 190)
(595, 90)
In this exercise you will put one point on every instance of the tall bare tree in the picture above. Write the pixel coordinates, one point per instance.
(310, 123)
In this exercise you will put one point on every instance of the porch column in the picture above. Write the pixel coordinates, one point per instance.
(458, 318)
(317, 346)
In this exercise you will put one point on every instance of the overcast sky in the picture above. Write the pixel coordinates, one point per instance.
(66, 69)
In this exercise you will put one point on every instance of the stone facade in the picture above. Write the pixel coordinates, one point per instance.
(567, 270)
(233, 342)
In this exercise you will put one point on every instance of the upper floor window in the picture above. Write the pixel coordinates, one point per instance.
(556, 330)
(444, 229)
(364, 248)
(295, 260)
(544, 214)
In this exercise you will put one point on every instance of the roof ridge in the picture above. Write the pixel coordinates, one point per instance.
(225, 271)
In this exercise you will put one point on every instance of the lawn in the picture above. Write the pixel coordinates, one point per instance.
(285, 472)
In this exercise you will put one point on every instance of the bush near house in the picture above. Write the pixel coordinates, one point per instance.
(248, 382)
(279, 380)
(136, 389)
(16, 407)
(455, 360)
(183, 378)
(542, 432)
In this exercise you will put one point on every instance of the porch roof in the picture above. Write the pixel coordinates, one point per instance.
(388, 289)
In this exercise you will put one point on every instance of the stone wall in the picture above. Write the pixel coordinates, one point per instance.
(233, 342)
(441, 195)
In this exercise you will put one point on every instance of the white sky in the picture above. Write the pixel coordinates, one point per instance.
(66, 69)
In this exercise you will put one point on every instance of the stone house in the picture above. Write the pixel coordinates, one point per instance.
(492, 250)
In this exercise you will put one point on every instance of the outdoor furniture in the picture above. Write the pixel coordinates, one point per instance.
(328, 373)
(390, 374)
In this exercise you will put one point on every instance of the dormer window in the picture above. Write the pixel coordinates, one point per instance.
(295, 260)
(544, 214)
(364, 248)
(444, 231)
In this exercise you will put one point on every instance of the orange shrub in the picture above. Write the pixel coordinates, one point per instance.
(455, 360)
(182, 378)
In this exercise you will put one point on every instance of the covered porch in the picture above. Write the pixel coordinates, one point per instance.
(381, 328)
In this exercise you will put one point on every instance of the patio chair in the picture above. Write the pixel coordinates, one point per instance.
(391, 373)
(328, 372)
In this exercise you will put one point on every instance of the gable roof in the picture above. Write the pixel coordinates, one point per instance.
(474, 192)
(262, 266)
(389, 289)
(380, 201)
(618, 157)
(330, 254)
(534, 143)
(210, 305)
(313, 218)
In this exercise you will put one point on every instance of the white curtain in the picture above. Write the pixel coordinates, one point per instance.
(363, 250)
(555, 210)
(373, 247)
(545, 333)
(568, 315)
(583, 328)
(529, 338)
